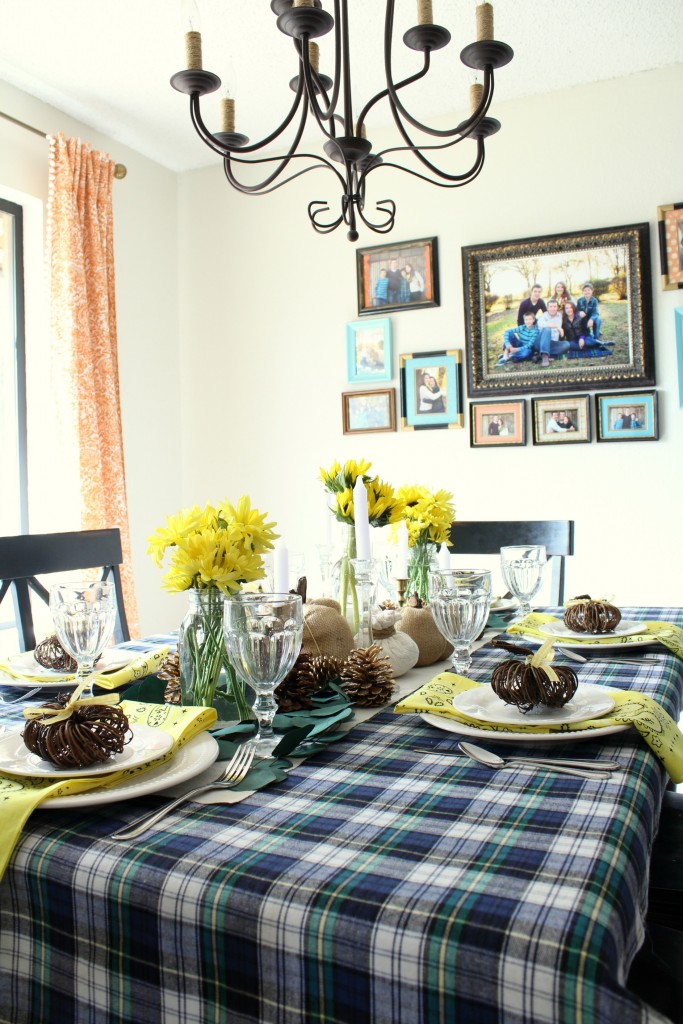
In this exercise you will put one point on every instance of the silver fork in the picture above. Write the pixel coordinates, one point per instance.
(233, 774)
(23, 696)
(645, 659)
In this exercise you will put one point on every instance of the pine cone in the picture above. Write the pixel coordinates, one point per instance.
(309, 675)
(170, 674)
(367, 678)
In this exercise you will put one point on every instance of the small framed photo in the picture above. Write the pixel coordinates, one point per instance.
(564, 420)
(369, 412)
(403, 275)
(368, 350)
(494, 424)
(431, 390)
(629, 416)
(670, 229)
(678, 314)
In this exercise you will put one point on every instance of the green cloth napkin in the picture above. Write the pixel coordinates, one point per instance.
(20, 795)
(665, 632)
(658, 729)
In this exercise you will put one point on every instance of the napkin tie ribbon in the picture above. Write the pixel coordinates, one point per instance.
(50, 716)
(542, 659)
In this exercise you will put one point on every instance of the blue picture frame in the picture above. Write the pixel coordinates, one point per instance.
(368, 351)
(678, 314)
(442, 391)
(638, 408)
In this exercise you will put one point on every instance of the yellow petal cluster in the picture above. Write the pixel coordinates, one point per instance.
(217, 546)
(383, 504)
(428, 514)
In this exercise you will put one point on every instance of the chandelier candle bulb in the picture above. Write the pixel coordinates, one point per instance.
(227, 115)
(304, 3)
(314, 56)
(476, 93)
(424, 12)
(361, 520)
(484, 22)
(193, 51)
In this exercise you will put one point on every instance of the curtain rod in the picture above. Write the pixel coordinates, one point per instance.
(120, 170)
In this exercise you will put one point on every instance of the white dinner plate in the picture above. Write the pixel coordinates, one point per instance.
(50, 679)
(485, 705)
(145, 745)
(627, 627)
(616, 643)
(192, 759)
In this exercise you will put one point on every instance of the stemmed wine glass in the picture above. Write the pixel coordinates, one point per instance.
(460, 600)
(83, 615)
(523, 568)
(263, 634)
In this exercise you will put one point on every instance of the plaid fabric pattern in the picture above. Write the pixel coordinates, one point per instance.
(375, 884)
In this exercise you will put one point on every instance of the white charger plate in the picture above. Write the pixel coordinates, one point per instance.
(501, 604)
(485, 705)
(145, 745)
(50, 679)
(192, 759)
(609, 644)
(627, 627)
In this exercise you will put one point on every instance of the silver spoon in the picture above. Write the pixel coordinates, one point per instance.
(582, 769)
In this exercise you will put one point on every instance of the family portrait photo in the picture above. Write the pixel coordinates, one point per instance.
(399, 276)
(559, 312)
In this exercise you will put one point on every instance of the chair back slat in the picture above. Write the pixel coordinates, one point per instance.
(23, 558)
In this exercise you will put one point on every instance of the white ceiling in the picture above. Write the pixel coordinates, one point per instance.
(109, 64)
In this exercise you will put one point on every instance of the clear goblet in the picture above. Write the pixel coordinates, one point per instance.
(523, 568)
(263, 634)
(83, 615)
(460, 600)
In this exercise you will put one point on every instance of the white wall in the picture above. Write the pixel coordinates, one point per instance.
(146, 248)
(264, 303)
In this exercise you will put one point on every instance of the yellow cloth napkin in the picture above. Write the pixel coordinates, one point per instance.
(665, 632)
(144, 665)
(20, 795)
(658, 729)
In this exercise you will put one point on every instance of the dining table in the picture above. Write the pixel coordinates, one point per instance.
(374, 882)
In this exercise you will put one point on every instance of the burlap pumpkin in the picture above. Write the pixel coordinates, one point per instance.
(419, 624)
(399, 648)
(326, 631)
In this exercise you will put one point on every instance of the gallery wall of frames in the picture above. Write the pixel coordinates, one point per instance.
(559, 345)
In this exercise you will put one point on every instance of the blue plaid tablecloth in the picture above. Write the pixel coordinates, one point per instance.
(375, 884)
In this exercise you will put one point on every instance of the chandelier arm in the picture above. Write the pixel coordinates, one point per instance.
(318, 114)
(385, 226)
(393, 95)
(463, 179)
(320, 226)
(261, 188)
(312, 78)
(385, 92)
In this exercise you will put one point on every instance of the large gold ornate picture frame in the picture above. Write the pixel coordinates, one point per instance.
(499, 278)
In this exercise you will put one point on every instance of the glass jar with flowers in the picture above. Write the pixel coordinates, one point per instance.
(428, 516)
(383, 508)
(214, 551)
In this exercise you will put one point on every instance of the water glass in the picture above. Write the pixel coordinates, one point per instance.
(263, 634)
(460, 600)
(84, 615)
(523, 568)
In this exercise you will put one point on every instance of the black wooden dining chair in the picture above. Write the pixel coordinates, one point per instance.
(488, 537)
(24, 558)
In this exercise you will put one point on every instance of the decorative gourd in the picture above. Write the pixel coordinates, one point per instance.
(419, 624)
(89, 736)
(584, 615)
(400, 649)
(326, 631)
(527, 686)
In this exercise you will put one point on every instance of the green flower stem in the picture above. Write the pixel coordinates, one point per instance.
(419, 567)
(347, 578)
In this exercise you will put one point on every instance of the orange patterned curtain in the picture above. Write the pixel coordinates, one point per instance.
(83, 316)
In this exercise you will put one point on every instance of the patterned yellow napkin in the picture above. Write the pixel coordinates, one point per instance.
(144, 665)
(20, 795)
(665, 632)
(657, 728)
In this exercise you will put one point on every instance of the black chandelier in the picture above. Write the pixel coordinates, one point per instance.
(348, 152)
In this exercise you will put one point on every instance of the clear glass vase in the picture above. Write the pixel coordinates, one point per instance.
(422, 559)
(345, 579)
(206, 676)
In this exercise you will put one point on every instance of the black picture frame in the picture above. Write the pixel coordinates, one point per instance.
(670, 234)
(619, 261)
(421, 255)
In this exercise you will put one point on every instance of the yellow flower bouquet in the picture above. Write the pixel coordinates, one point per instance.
(213, 551)
(384, 507)
(428, 516)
